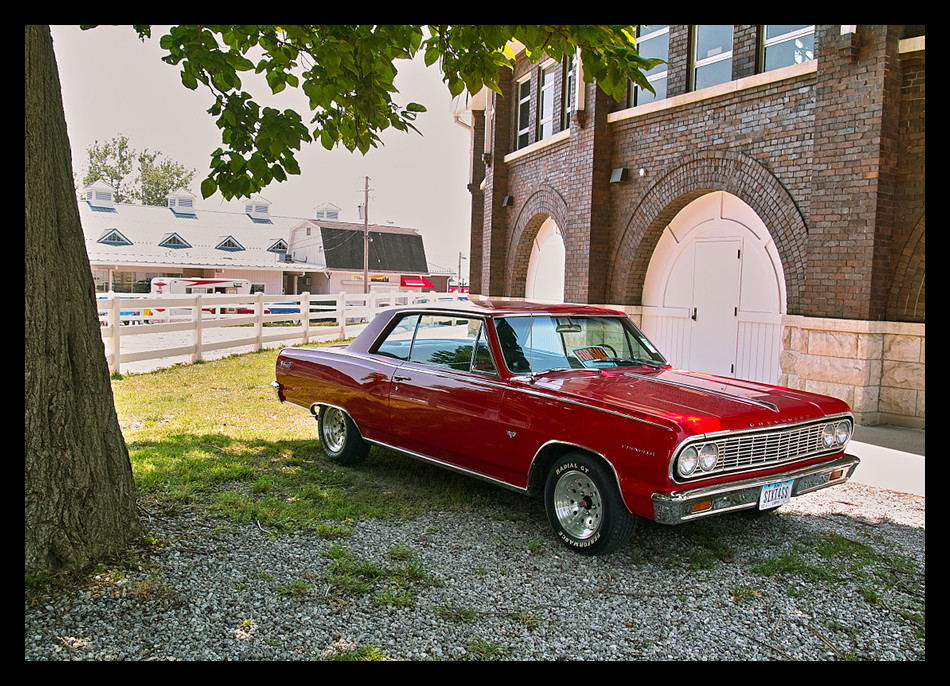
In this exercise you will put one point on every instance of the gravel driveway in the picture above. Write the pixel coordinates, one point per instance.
(837, 574)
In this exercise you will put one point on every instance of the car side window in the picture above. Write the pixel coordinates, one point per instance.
(483, 362)
(452, 342)
(399, 341)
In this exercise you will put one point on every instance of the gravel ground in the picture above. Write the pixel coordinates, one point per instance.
(493, 588)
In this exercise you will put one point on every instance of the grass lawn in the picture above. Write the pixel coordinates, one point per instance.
(214, 436)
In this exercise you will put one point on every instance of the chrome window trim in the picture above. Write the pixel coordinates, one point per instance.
(545, 313)
(466, 314)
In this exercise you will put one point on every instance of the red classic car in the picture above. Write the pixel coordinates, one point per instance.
(572, 402)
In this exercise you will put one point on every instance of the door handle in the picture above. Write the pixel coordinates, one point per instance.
(402, 378)
(693, 316)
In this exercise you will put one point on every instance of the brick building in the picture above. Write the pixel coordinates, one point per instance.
(761, 216)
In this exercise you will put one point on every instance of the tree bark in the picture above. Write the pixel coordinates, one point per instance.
(79, 491)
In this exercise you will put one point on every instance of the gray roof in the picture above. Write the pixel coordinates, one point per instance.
(388, 251)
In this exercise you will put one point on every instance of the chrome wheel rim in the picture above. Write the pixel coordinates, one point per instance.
(578, 504)
(334, 429)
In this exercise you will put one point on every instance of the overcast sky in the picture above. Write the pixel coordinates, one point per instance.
(114, 84)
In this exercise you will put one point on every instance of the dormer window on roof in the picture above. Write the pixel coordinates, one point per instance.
(230, 245)
(280, 249)
(327, 211)
(100, 196)
(173, 240)
(113, 237)
(182, 203)
(258, 209)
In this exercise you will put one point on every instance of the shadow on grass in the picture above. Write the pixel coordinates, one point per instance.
(291, 485)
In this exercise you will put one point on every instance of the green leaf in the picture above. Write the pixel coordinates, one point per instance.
(208, 187)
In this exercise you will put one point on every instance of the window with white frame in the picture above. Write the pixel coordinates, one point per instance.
(570, 90)
(786, 44)
(653, 42)
(712, 55)
(548, 77)
(524, 112)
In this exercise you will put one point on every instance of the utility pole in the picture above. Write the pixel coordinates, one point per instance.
(366, 235)
(460, 269)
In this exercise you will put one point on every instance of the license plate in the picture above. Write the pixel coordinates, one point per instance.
(775, 495)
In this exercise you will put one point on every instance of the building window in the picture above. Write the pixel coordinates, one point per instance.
(174, 241)
(546, 99)
(113, 237)
(786, 44)
(524, 112)
(712, 55)
(570, 90)
(653, 42)
(279, 246)
(230, 245)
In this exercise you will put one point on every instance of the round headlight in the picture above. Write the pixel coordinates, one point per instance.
(828, 432)
(689, 458)
(708, 457)
(843, 432)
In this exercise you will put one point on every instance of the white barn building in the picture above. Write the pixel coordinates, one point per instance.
(130, 244)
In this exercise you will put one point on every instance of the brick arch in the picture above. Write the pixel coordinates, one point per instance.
(543, 203)
(905, 302)
(692, 177)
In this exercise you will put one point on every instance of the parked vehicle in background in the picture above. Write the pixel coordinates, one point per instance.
(161, 285)
(572, 403)
(127, 313)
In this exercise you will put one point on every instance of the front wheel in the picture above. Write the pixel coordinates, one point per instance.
(340, 438)
(584, 506)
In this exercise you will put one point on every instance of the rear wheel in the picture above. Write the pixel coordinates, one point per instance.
(341, 439)
(584, 506)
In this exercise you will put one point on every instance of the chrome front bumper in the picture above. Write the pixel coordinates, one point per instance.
(682, 506)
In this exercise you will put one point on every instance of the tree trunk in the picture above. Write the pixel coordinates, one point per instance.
(80, 495)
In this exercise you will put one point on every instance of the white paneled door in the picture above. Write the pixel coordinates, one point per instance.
(715, 310)
(714, 292)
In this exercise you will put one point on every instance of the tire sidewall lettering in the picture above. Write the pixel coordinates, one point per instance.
(574, 543)
(572, 465)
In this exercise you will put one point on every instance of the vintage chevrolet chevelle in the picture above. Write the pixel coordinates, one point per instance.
(571, 402)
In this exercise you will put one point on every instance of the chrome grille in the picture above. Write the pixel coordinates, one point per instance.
(765, 448)
(756, 450)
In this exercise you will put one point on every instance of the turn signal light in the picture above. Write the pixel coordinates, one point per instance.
(701, 505)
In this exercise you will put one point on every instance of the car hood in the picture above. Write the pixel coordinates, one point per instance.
(701, 403)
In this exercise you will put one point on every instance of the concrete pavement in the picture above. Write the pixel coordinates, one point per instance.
(892, 457)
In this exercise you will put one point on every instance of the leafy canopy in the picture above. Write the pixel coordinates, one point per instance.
(112, 162)
(347, 74)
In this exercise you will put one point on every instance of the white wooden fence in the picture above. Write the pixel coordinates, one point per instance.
(209, 322)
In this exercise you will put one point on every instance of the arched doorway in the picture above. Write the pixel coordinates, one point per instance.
(714, 291)
(545, 279)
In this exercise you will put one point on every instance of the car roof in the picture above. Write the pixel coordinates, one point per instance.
(495, 307)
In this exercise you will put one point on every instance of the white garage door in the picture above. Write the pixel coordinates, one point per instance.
(714, 292)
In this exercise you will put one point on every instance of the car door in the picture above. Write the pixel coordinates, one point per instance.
(445, 398)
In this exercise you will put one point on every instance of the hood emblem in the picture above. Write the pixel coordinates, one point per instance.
(512, 434)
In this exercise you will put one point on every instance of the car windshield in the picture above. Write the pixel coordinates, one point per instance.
(543, 343)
